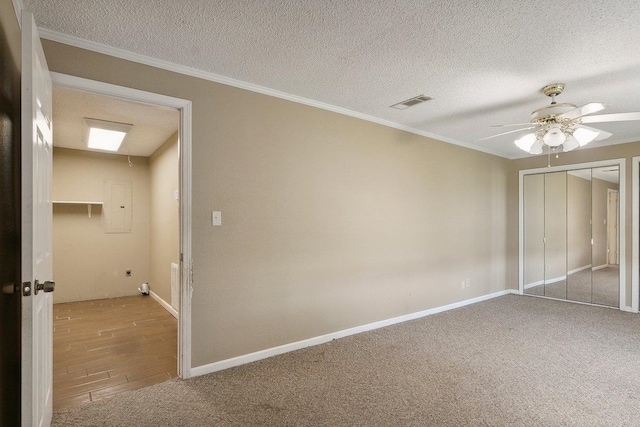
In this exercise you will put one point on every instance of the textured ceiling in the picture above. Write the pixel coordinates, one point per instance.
(484, 62)
(151, 125)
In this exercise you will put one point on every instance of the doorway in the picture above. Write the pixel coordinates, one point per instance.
(174, 299)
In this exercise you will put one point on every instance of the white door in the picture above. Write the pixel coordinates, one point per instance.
(37, 302)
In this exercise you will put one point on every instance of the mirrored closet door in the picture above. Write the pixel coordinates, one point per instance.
(571, 235)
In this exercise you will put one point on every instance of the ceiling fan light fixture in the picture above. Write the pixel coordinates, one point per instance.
(570, 144)
(536, 148)
(562, 124)
(524, 143)
(554, 137)
(584, 136)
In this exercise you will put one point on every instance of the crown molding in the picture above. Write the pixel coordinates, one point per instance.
(193, 72)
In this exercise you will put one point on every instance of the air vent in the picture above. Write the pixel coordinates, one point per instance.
(411, 102)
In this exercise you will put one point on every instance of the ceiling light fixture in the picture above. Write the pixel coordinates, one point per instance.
(554, 137)
(106, 136)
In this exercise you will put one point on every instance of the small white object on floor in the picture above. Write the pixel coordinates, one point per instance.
(144, 289)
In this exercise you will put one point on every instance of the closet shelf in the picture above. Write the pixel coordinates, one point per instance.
(79, 202)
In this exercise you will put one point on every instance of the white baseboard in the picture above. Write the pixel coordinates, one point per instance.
(164, 304)
(545, 282)
(274, 351)
(557, 279)
(534, 284)
(600, 267)
(578, 269)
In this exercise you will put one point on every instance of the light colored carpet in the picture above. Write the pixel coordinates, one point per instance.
(510, 361)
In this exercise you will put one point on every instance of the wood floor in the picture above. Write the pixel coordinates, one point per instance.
(104, 347)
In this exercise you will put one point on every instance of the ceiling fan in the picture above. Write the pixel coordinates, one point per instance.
(563, 125)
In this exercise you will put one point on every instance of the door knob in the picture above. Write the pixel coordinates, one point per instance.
(47, 286)
(9, 288)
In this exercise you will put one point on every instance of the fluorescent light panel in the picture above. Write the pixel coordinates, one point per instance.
(106, 136)
(103, 139)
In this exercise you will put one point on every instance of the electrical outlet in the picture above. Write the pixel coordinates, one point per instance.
(127, 273)
(216, 218)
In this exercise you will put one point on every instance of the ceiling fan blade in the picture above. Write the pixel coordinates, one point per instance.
(589, 108)
(517, 124)
(601, 133)
(617, 117)
(504, 133)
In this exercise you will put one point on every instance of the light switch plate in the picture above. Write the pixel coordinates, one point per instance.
(216, 218)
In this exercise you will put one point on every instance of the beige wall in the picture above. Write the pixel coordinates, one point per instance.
(533, 200)
(555, 225)
(625, 151)
(578, 222)
(165, 225)
(87, 263)
(329, 222)
(11, 31)
(576, 252)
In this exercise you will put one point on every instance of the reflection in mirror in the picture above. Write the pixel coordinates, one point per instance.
(555, 234)
(579, 235)
(533, 210)
(605, 258)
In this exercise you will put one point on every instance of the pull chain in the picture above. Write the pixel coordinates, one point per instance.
(549, 149)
